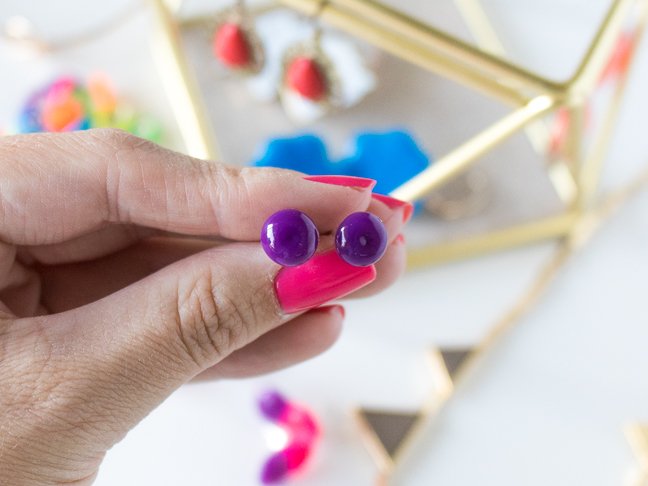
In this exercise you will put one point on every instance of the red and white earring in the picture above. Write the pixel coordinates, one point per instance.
(309, 85)
(309, 73)
(235, 43)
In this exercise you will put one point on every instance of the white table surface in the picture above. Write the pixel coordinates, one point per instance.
(548, 405)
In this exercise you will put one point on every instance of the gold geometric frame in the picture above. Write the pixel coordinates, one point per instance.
(574, 176)
(389, 434)
(637, 435)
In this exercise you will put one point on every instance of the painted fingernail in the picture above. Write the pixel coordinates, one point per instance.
(347, 181)
(393, 203)
(323, 278)
(400, 239)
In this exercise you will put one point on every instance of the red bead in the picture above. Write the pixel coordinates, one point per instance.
(305, 76)
(231, 46)
(559, 129)
(620, 59)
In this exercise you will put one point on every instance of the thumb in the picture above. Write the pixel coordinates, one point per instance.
(118, 358)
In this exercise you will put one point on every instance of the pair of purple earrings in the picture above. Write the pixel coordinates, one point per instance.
(289, 237)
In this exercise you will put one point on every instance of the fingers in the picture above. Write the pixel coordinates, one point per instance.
(84, 180)
(300, 339)
(104, 241)
(69, 286)
(20, 290)
(130, 350)
(73, 285)
(389, 269)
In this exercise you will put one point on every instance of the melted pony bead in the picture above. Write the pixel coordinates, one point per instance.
(289, 237)
(361, 239)
(275, 468)
(302, 431)
(272, 405)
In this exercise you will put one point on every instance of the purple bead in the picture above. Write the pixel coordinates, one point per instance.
(275, 469)
(289, 237)
(272, 405)
(361, 239)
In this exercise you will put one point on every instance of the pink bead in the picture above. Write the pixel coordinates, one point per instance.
(299, 423)
(296, 454)
(620, 59)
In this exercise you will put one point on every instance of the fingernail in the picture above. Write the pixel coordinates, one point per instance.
(323, 278)
(347, 181)
(399, 239)
(393, 203)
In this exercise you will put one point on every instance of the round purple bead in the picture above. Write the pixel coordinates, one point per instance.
(289, 237)
(361, 239)
(275, 469)
(272, 405)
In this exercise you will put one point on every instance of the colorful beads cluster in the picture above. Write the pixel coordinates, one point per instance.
(66, 105)
(302, 431)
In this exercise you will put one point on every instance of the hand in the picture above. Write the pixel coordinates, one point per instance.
(127, 270)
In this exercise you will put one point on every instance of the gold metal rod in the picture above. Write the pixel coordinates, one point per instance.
(414, 52)
(450, 46)
(530, 298)
(523, 234)
(590, 173)
(180, 86)
(589, 71)
(538, 131)
(487, 39)
(585, 228)
(480, 26)
(592, 167)
(466, 154)
(580, 234)
(575, 132)
(173, 6)
(637, 437)
(563, 181)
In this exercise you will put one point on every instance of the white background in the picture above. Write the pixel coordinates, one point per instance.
(547, 406)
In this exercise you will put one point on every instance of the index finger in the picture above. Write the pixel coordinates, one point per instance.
(55, 187)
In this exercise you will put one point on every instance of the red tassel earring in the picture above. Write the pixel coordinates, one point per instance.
(235, 43)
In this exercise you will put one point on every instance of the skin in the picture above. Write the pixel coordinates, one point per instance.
(127, 270)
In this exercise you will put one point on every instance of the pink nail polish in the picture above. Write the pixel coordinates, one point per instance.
(323, 278)
(394, 203)
(347, 181)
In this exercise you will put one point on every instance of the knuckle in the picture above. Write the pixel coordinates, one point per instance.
(118, 145)
(114, 137)
(211, 320)
(227, 180)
